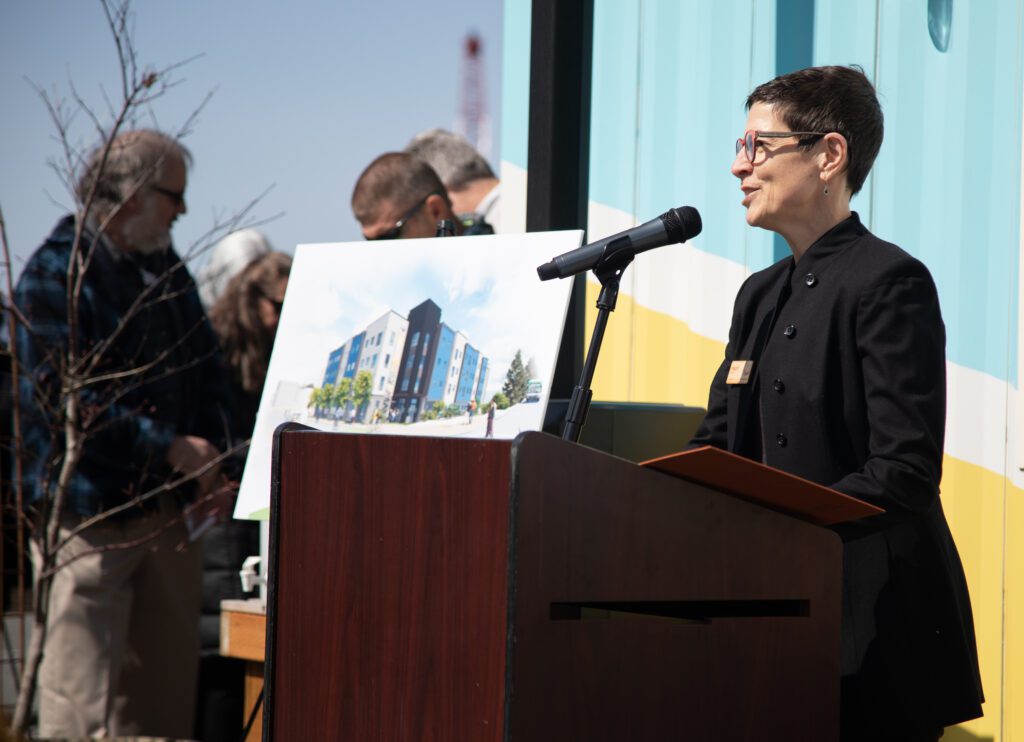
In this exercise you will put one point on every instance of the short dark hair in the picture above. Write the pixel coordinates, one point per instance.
(828, 99)
(397, 177)
(453, 158)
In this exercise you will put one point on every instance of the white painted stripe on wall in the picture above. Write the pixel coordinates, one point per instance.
(1013, 404)
(976, 419)
(513, 200)
(604, 220)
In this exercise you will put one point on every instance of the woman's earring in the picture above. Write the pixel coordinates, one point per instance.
(826, 189)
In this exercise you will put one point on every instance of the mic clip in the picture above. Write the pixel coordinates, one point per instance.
(615, 258)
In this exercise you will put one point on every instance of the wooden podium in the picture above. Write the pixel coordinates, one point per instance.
(447, 589)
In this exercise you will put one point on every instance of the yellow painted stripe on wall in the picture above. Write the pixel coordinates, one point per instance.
(1013, 617)
(973, 499)
(678, 363)
(678, 367)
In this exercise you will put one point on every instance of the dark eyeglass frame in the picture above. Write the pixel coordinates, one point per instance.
(748, 143)
(275, 303)
(178, 197)
(396, 231)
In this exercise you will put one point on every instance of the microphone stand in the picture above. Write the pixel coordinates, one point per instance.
(608, 272)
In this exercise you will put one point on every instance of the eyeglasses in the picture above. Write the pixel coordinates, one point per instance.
(749, 141)
(275, 303)
(178, 197)
(396, 231)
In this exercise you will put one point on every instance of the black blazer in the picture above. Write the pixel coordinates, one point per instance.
(848, 390)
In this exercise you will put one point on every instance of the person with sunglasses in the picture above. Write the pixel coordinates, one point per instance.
(835, 371)
(106, 291)
(398, 196)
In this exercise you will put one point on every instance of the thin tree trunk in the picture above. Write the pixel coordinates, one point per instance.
(16, 450)
(76, 370)
(33, 658)
(47, 542)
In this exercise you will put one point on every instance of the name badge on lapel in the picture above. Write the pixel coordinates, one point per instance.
(739, 372)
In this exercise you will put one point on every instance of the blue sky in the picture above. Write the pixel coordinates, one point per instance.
(305, 94)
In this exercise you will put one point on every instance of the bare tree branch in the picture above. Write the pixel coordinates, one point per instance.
(15, 458)
(82, 386)
(148, 495)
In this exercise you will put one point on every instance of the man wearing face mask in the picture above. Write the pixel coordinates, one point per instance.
(120, 655)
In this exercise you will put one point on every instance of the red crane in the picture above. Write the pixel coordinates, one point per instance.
(473, 120)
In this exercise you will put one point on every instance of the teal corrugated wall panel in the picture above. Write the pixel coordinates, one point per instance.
(515, 82)
(613, 104)
(947, 182)
(844, 33)
(670, 77)
(664, 123)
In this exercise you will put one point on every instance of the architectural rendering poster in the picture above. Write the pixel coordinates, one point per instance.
(436, 337)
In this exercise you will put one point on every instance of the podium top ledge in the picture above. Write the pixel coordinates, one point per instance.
(763, 485)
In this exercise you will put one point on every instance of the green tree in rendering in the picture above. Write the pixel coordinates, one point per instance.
(318, 400)
(341, 396)
(515, 380)
(361, 390)
(329, 392)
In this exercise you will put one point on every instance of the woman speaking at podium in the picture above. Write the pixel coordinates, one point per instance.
(835, 371)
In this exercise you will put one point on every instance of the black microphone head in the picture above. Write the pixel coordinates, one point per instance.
(682, 224)
(548, 271)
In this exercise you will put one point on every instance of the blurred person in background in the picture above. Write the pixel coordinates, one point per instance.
(245, 319)
(473, 188)
(120, 648)
(399, 196)
(227, 258)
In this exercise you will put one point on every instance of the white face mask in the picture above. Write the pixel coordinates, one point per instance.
(144, 232)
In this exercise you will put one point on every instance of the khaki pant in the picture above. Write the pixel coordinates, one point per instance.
(121, 650)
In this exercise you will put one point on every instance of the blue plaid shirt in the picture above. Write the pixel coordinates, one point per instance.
(178, 386)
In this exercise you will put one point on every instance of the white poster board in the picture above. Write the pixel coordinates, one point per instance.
(411, 337)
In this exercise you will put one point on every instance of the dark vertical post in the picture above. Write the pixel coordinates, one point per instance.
(794, 50)
(794, 35)
(558, 161)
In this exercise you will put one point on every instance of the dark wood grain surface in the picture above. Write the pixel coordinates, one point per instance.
(440, 589)
(599, 532)
(775, 489)
(390, 591)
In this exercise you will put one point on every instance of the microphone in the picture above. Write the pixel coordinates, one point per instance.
(675, 225)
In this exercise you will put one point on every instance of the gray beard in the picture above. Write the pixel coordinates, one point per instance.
(143, 239)
(154, 246)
